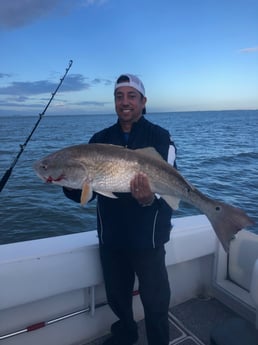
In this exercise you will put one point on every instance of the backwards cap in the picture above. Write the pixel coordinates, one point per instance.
(134, 82)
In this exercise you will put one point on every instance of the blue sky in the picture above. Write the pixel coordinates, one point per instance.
(190, 54)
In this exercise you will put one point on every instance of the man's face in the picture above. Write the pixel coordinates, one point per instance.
(129, 104)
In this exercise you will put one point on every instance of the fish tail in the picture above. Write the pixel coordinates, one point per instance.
(226, 221)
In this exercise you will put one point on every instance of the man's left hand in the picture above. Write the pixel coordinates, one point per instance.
(141, 191)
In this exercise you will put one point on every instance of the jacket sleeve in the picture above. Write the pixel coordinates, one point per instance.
(164, 145)
(172, 154)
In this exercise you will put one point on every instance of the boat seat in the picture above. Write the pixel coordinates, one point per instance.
(238, 331)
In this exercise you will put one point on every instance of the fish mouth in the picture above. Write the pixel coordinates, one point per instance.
(51, 179)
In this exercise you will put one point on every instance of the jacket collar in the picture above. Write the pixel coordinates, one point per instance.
(135, 125)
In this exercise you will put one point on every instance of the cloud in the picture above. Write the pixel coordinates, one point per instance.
(18, 97)
(5, 75)
(10, 103)
(101, 81)
(73, 82)
(92, 103)
(18, 13)
(249, 50)
(93, 2)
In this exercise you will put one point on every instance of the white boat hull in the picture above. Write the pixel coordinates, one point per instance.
(44, 280)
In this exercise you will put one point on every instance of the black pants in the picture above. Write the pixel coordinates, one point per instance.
(119, 269)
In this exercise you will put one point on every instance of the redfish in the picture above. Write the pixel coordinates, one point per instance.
(107, 169)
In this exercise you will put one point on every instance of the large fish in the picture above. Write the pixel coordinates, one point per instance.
(107, 169)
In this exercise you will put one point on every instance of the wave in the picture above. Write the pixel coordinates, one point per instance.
(229, 158)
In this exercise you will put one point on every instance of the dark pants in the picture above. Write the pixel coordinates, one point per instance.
(119, 268)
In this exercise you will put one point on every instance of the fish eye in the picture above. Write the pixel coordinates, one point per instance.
(44, 166)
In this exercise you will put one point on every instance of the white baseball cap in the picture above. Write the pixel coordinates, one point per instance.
(133, 81)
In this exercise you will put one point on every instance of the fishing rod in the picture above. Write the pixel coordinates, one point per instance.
(22, 146)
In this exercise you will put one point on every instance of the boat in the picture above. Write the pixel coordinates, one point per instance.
(52, 291)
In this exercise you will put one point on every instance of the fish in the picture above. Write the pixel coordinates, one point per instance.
(108, 169)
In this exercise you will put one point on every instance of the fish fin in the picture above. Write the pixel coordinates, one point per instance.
(86, 193)
(172, 201)
(108, 194)
(226, 221)
(150, 151)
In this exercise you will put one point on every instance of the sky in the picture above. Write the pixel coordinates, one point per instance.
(190, 54)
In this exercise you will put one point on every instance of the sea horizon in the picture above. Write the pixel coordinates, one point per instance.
(114, 114)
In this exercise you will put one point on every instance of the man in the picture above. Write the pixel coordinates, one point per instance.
(134, 227)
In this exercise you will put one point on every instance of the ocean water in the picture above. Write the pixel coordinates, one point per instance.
(216, 151)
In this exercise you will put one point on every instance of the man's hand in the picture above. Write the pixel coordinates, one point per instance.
(141, 191)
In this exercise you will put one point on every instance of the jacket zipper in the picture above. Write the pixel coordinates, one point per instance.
(154, 229)
(101, 226)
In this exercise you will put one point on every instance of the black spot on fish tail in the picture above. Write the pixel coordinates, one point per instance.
(226, 221)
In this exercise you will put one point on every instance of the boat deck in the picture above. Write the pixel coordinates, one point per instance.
(190, 322)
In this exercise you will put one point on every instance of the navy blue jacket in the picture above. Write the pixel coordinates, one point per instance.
(122, 222)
